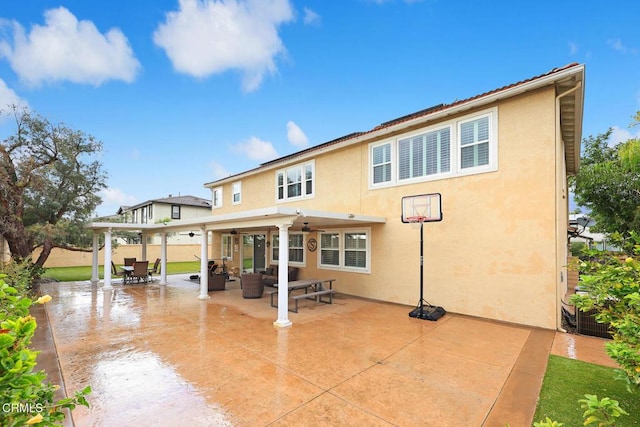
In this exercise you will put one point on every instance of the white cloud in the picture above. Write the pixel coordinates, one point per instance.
(9, 98)
(219, 171)
(206, 37)
(573, 48)
(112, 199)
(295, 135)
(311, 17)
(256, 149)
(67, 49)
(616, 44)
(619, 135)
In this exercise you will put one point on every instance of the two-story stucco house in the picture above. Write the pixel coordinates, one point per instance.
(500, 162)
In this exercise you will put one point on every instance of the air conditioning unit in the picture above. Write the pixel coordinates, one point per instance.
(586, 324)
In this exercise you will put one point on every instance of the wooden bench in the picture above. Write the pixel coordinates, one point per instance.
(316, 296)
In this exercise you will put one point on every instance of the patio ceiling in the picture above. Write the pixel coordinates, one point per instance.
(247, 221)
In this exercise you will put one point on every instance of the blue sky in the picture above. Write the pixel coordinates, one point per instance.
(186, 92)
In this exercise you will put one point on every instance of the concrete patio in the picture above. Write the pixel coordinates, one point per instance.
(157, 355)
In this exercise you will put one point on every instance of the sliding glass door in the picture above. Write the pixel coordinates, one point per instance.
(254, 253)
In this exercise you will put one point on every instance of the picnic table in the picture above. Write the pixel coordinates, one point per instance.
(316, 286)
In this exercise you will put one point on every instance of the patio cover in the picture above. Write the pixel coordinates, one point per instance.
(277, 216)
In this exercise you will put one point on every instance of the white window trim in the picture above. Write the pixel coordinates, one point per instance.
(213, 197)
(493, 144)
(302, 167)
(272, 247)
(341, 265)
(234, 192)
(455, 149)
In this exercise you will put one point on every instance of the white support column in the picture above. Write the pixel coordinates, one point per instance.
(143, 241)
(94, 261)
(163, 259)
(283, 277)
(204, 263)
(107, 261)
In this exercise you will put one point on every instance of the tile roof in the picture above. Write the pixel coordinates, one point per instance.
(177, 200)
(419, 114)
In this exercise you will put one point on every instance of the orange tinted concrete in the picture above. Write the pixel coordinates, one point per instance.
(157, 355)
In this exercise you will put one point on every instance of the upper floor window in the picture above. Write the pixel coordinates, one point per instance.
(143, 215)
(236, 196)
(381, 162)
(217, 197)
(150, 211)
(474, 143)
(295, 182)
(424, 154)
(459, 147)
(175, 212)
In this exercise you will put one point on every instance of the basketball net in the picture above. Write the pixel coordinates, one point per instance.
(416, 221)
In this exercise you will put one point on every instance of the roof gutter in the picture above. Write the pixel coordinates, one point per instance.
(560, 289)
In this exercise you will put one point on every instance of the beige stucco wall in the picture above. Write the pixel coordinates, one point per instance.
(495, 253)
(175, 253)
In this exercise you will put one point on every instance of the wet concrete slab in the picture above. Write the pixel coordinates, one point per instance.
(158, 355)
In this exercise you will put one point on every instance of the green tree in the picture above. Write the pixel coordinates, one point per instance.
(49, 180)
(608, 183)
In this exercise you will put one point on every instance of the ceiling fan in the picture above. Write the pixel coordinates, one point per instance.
(305, 228)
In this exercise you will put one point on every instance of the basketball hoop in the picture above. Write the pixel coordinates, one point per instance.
(416, 221)
(416, 210)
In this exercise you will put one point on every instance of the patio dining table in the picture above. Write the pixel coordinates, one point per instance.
(127, 269)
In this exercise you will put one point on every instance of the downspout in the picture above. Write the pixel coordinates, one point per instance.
(559, 138)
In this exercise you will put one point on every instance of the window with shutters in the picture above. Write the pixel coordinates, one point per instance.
(474, 143)
(464, 146)
(348, 250)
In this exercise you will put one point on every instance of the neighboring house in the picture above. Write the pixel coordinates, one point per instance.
(580, 231)
(500, 160)
(164, 210)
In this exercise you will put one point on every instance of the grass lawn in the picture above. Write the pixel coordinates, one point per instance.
(75, 274)
(567, 381)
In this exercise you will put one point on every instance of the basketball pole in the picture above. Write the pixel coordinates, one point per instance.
(430, 312)
(421, 267)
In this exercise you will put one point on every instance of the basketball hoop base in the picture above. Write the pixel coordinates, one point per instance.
(427, 312)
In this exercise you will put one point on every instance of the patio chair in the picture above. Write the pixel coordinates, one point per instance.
(252, 285)
(140, 271)
(155, 269)
(116, 273)
(216, 282)
(129, 261)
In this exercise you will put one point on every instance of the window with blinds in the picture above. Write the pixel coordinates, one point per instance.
(425, 154)
(296, 248)
(464, 146)
(381, 159)
(474, 143)
(347, 250)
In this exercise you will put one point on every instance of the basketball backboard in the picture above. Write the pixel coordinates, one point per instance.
(422, 208)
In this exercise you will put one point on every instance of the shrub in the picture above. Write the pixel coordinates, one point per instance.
(612, 285)
(24, 395)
